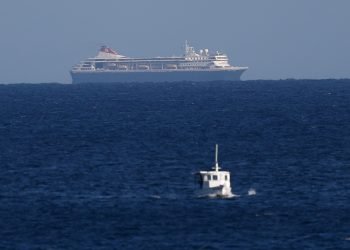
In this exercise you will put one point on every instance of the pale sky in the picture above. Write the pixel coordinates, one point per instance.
(277, 39)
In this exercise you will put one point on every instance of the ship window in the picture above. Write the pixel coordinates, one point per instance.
(99, 65)
(209, 177)
(215, 177)
(226, 178)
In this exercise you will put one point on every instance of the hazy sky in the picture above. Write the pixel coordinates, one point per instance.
(41, 39)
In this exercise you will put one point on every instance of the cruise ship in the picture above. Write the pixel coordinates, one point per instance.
(109, 67)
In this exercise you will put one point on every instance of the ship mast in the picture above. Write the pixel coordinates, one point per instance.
(187, 48)
(216, 158)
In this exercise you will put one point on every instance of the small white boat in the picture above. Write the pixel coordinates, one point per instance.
(215, 183)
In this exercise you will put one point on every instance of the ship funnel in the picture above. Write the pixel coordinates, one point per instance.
(105, 49)
(107, 53)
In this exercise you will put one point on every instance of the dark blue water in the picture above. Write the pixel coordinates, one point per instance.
(110, 166)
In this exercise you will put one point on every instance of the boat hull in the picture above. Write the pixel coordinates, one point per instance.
(221, 191)
(156, 76)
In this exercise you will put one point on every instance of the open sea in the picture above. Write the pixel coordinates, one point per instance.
(110, 166)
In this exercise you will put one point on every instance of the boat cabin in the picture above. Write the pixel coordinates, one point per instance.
(212, 179)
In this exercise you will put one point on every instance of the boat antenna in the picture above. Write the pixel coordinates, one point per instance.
(216, 158)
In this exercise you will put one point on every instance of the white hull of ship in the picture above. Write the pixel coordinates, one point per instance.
(119, 76)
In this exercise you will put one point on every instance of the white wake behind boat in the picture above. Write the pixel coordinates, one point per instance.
(215, 183)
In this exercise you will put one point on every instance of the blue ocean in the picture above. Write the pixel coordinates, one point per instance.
(111, 166)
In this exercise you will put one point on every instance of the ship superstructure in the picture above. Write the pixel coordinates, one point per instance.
(110, 66)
